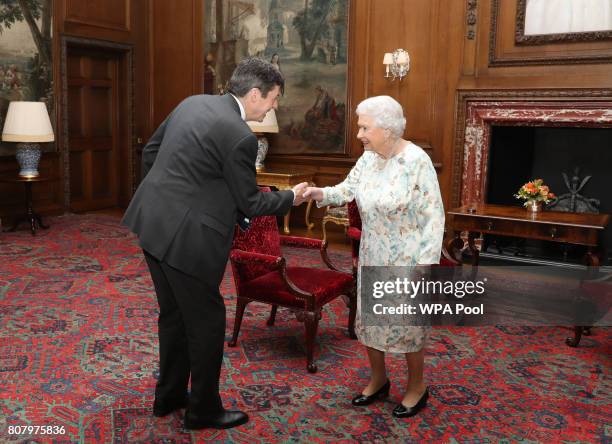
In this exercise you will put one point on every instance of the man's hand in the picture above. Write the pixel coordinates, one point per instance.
(314, 193)
(298, 193)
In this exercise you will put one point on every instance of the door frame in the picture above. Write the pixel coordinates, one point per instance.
(127, 173)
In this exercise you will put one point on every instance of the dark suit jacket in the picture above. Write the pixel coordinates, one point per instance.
(199, 174)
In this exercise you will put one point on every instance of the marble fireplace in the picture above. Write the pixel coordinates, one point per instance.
(483, 116)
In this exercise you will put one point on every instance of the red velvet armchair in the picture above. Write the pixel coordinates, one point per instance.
(261, 274)
(354, 233)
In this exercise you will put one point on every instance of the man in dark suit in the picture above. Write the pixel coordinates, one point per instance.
(199, 179)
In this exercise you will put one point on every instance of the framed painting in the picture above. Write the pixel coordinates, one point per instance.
(549, 21)
(550, 32)
(25, 58)
(308, 41)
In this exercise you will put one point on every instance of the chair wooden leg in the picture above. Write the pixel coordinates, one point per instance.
(352, 314)
(241, 304)
(324, 231)
(272, 315)
(311, 321)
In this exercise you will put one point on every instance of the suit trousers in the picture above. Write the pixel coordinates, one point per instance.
(191, 337)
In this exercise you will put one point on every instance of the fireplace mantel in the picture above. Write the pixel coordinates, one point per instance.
(477, 113)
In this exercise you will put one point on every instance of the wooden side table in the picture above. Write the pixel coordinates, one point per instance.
(572, 228)
(286, 180)
(30, 216)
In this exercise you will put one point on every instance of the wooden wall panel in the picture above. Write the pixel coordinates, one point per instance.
(176, 58)
(415, 92)
(111, 20)
(111, 14)
(551, 72)
(450, 42)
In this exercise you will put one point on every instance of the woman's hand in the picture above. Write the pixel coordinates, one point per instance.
(314, 193)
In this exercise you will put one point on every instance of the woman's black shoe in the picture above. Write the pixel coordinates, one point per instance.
(402, 411)
(381, 393)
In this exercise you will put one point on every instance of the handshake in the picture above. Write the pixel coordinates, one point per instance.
(302, 192)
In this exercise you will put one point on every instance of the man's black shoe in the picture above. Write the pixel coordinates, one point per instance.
(225, 419)
(163, 408)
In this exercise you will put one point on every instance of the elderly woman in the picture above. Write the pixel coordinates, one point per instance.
(396, 189)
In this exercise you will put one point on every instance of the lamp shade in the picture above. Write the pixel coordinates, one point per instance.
(268, 125)
(27, 122)
(388, 58)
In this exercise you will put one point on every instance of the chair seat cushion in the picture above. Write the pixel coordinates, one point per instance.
(354, 233)
(324, 284)
(446, 263)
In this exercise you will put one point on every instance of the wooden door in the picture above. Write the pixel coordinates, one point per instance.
(93, 128)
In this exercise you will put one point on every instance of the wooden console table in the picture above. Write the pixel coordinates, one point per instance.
(572, 228)
(286, 180)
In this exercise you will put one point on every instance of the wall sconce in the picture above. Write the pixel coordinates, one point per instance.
(397, 63)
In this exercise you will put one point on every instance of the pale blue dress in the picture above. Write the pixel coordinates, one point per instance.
(403, 224)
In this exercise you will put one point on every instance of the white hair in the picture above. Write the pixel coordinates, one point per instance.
(386, 112)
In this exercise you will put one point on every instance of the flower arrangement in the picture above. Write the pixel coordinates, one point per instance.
(534, 191)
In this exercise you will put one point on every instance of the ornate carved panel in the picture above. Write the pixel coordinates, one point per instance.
(471, 18)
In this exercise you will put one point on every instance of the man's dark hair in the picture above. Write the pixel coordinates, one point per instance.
(254, 72)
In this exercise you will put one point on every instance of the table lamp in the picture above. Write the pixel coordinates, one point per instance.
(28, 124)
(268, 125)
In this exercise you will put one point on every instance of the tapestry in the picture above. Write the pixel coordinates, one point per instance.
(26, 67)
(307, 41)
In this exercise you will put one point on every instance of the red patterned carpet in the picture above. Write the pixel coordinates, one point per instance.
(78, 351)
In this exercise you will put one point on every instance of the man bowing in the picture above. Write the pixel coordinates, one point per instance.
(199, 180)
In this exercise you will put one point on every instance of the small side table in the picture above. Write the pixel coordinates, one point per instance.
(30, 216)
(286, 180)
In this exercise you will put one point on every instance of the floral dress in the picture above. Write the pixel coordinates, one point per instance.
(402, 225)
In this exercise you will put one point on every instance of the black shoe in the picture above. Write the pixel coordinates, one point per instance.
(225, 419)
(163, 408)
(381, 393)
(401, 411)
